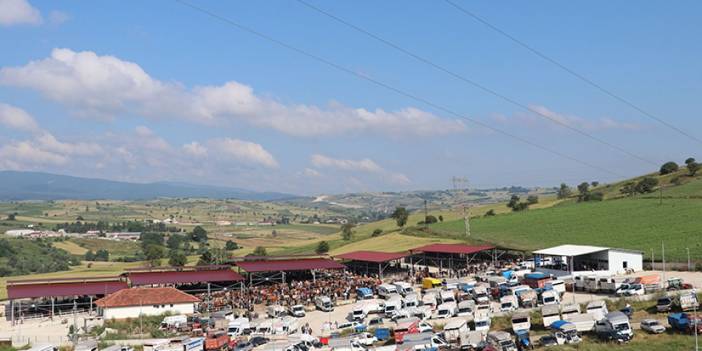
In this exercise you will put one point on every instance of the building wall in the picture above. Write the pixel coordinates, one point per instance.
(617, 258)
(149, 310)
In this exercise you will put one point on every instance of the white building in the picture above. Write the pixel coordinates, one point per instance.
(20, 232)
(130, 303)
(578, 260)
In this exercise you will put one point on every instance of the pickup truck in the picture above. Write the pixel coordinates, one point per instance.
(217, 341)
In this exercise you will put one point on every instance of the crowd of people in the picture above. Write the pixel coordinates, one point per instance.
(335, 285)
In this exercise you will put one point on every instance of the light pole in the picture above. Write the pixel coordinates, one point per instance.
(689, 266)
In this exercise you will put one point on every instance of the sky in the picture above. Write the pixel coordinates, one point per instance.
(147, 91)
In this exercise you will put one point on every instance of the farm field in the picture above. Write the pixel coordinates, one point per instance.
(633, 223)
(393, 242)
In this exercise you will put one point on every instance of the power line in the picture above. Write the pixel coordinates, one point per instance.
(572, 72)
(474, 83)
(391, 88)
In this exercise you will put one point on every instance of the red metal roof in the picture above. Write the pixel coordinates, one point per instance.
(145, 296)
(33, 290)
(372, 256)
(452, 248)
(289, 265)
(183, 277)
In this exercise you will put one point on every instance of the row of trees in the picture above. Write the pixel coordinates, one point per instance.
(517, 205)
(671, 167)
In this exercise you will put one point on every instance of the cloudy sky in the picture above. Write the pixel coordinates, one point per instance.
(149, 91)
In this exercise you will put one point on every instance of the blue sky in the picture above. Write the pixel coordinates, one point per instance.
(148, 91)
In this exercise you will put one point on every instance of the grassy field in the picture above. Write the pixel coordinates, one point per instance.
(393, 242)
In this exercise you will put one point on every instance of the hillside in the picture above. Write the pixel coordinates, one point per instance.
(639, 223)
(44, 186)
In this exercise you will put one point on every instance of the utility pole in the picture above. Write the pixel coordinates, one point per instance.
(689, 266)
(466, 220)
(653, 267)
(426, 215)
(663, 254)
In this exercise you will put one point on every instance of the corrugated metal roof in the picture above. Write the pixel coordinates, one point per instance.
(289, 265)
(145, 296)
(570, 250)
(50, 289)
(372, 256)
(184, 277)
(453, 248)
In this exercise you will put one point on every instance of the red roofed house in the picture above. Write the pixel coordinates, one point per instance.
(130, 303)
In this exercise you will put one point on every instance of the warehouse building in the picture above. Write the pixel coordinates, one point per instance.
(131, 303)
(576, 260)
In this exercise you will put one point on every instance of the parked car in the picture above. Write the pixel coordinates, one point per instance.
(614, 327)
(664, 304)
(258, 340)
(652, 326)
(365, 339)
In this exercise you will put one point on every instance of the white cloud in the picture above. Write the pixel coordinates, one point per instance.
(243, 151)
(26, 153)
(15, 12)
(106, 86)
(17, 118)
(363, 165)
(195, 149)
(574, 121)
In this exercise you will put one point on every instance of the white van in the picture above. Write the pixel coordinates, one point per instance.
(393, 303)
(559, 286)
(446, 297)
(239, 326)
(521, 321)
(466, 309)
(403, 288)
(480, 295)
(275, 311)
(429, 299)
(323, 303)
(410, 300)
(508, 303)
(550, 297)
(385, 290)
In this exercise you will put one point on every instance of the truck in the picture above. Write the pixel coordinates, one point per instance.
(446, 310)
(431, 283)
(565, 332)
(238, 327)
(429, 299)
(685, 323)
(323, 303)
(508, 303)
(583, 322)
(664, 304)
(364, 293)
(521, 321)
(393, 304)
(483, 309)
(569, 310)
(403, 288)
(536, 280)
(454, 328)
(446, 296)
(405, 326)
(386, 290)
(480, 295)
(482, 323)
(611, 284)
(688, 301)
(174, 322)
(550, 297)
(501, 341)
(218, 340)
(598, 309)
(193, 344)
(285, 326)
(410, 300)
(363, 308)
(559, 286)
(592, 284)
(527, 298)
(614, 327)
(472, 340)
(466, 309)
(550, 314)
(275, 311)
(423, 341)
(297, 311)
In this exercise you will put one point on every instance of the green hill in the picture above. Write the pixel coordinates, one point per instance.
(639, 223)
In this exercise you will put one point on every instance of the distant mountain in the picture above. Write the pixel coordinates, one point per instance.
(45, 186)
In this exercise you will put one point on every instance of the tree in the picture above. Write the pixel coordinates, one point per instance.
(400, 215)
(441, 218)
(12, 216)
(430, 219)
(629, 189)
(377, 232)
(584, 191)
(322, 247)
(513, 202)
(594, 184)
(692, 168)
(669, 167)
(199, 234)
(154, 254)
(102, 255)
(148, 239)
(490, 213)
(89, 256)
(260, 251)
(532, 199)
(689, 160)
(646, 185)
(174, 241)
(177, 258)
(564, 191)
(347, 231)
(206, 258)
(230, 245)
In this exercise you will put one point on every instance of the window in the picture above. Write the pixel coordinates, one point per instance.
(155, 306)
(625, 264)
(171, 305)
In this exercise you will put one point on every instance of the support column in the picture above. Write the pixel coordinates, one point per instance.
(12, 312)
(314, 278)
(52, 308)
(90, 308)
(283, 277)
(380, 270)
